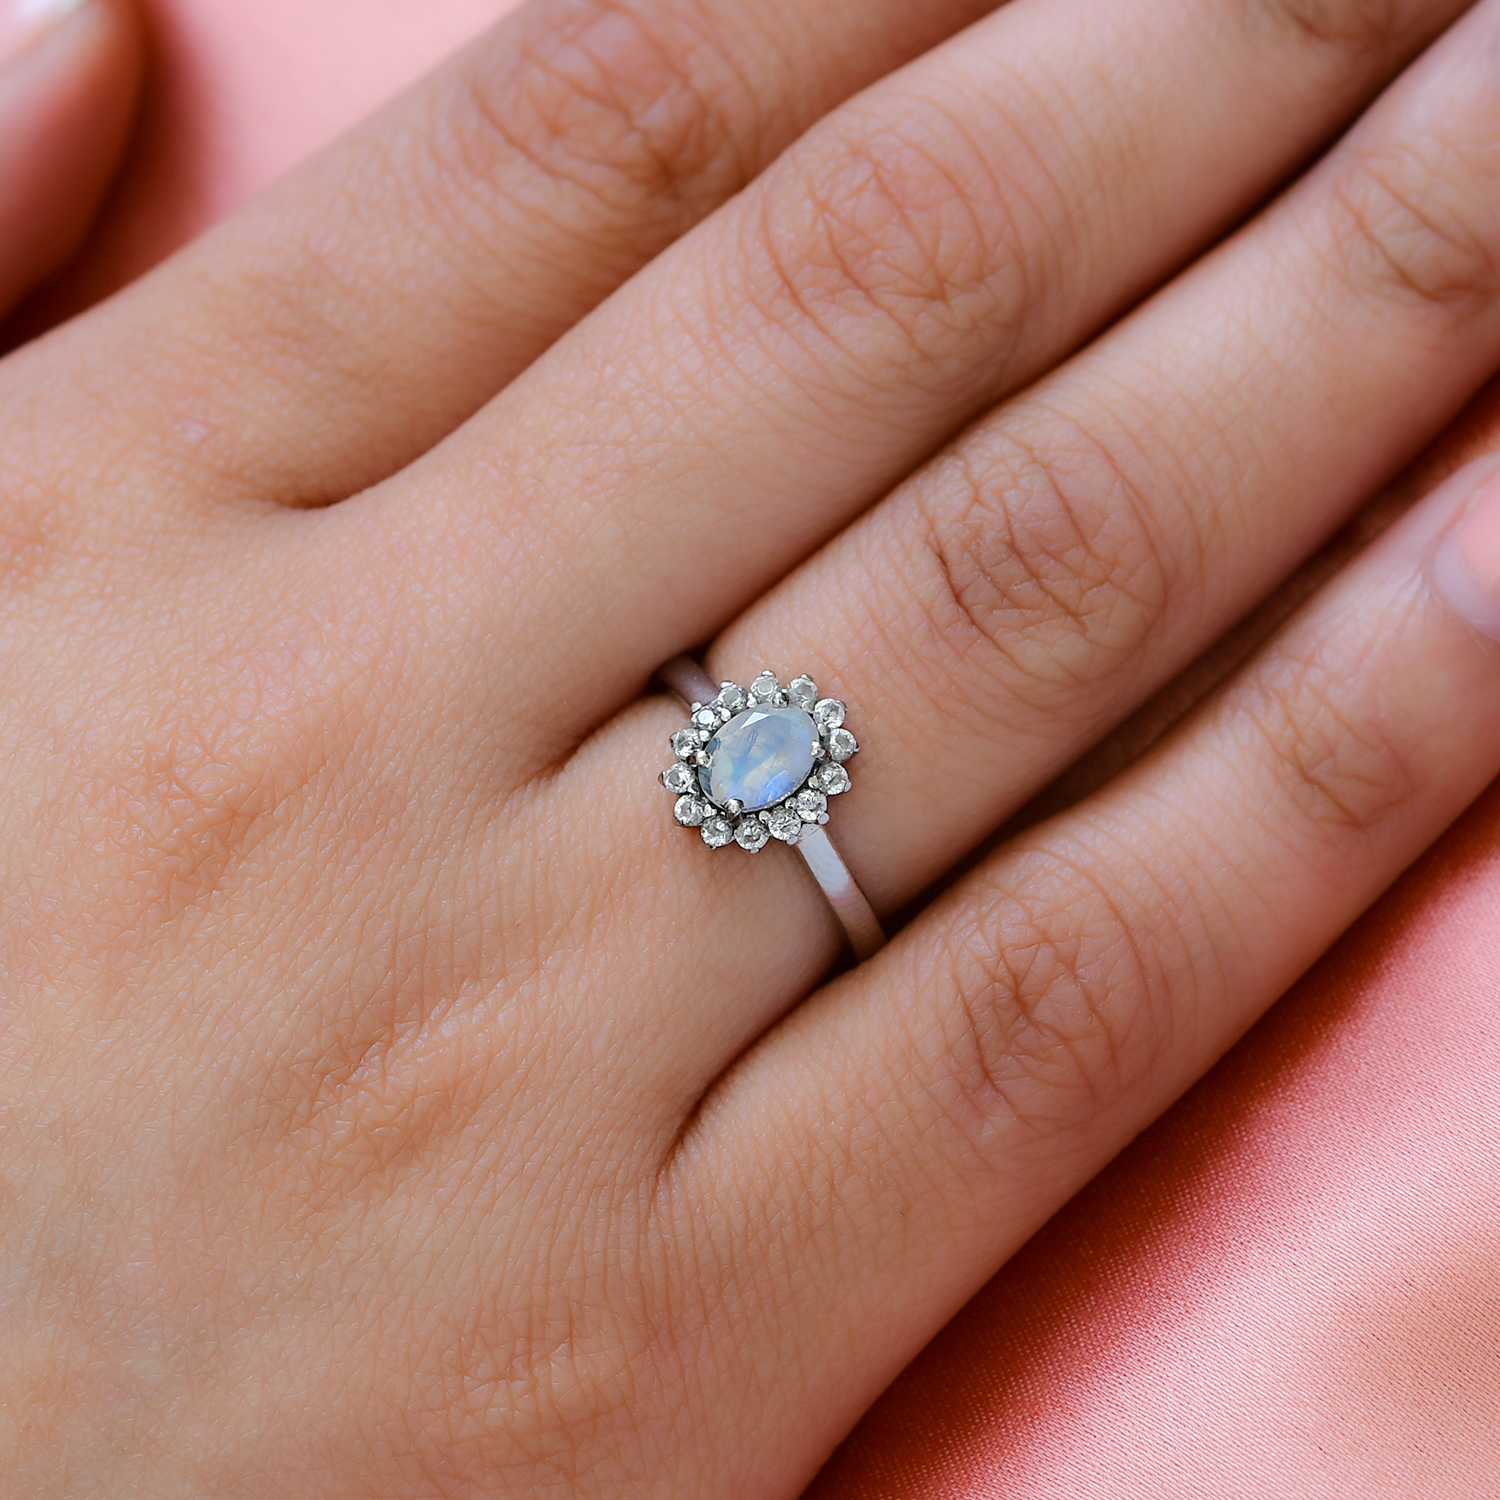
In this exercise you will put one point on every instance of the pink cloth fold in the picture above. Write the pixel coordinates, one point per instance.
(1289, 1288)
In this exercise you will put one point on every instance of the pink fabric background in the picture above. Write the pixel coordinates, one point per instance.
(1289, 1288)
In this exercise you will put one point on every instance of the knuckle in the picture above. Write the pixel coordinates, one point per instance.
(38, 521)
(30, 545)
(173, 779)
(1055, 1004)
(181, 813)
(1360, 24)
(1338, 762)
(1047, 558)
(625, 104)
(879, 229)
(1407, 219)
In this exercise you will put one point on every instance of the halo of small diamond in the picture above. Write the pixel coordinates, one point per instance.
(804, 808)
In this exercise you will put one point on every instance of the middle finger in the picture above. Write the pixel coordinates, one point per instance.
(929, 247)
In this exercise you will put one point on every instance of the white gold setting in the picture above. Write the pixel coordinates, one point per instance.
(780, 748)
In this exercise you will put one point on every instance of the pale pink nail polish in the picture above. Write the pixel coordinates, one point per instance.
(23, 23)
(1467, 564)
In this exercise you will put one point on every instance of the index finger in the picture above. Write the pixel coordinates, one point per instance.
(336, 328)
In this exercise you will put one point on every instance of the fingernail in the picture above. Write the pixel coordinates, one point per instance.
(23, 23)
(1467, 564)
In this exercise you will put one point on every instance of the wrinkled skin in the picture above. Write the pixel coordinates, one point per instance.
(395, 1102)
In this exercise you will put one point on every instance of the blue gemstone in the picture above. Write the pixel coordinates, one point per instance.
(760, 757)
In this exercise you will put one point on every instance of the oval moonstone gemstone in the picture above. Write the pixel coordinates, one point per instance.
(760, 757)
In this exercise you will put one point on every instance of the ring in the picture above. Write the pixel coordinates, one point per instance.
(760, 763)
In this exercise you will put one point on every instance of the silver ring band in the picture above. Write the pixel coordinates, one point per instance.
(855, 914)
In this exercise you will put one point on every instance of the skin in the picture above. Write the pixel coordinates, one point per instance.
(394, 1101)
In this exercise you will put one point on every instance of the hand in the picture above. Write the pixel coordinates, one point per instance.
(396, 1102)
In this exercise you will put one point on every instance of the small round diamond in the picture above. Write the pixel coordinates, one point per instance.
(829, 714)
(765, 688)
(811, 805)
(685, 743)
(784, 823)
(678, 778)
(717, 831)
(751, 835)
(690, 811)
(831, 777)
(732, 697)
(841, 744)
(802, 692)
(707, 718)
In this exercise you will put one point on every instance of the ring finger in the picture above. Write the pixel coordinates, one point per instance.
(898, 1138)
(1077, 549)
(1028, 588)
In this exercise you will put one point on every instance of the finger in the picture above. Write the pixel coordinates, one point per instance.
(1139, 500)
(1073, 552)
(893, 1142)
(69, 71)
(340, 326)
(992, 618)
(942, 239)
